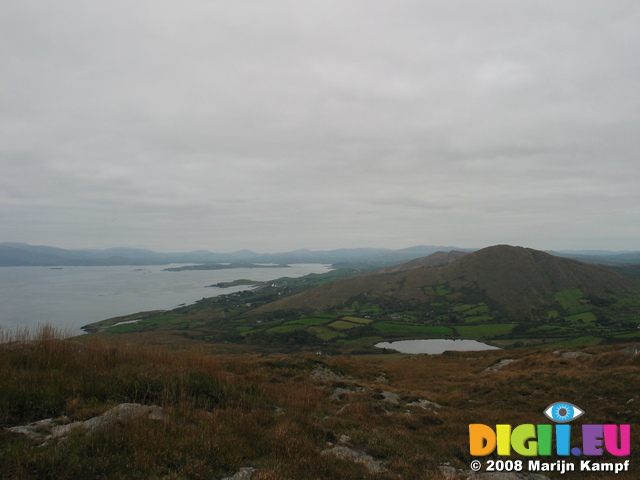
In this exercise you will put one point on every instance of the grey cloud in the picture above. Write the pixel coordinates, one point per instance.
(319, 125)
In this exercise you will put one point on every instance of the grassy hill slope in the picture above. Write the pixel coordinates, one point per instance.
(288, 416)
(517, 279)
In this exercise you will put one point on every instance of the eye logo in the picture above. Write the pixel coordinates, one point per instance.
(562, 412)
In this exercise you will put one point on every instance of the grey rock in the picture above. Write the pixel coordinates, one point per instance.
(36, 431)
(339, 393)
(449, 472)
(346, 453)
(631, 351)
(124, 412)
(46, 430)
(244, 473)
(426, 405)
(324, 374)
(497, 366)
(572, 355)
(390, 397)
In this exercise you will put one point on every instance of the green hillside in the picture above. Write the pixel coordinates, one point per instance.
(508, 296)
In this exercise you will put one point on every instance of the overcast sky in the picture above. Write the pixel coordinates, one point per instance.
(277, 125)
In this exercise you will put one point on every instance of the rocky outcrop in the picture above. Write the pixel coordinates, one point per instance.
(49, 429)
(325, 374)
(245, 473)
(497, 366)
(339, 394)
(426, 405)
(631, 351)
(343, 452)
(390, 397)
(572, 355)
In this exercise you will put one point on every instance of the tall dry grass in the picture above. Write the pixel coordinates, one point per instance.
(42, 332)
(224, 412)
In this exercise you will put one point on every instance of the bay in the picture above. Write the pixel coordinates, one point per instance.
(70, 297)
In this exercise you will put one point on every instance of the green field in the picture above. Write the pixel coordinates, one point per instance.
(131, 327)
(285, 328)
(327, 334)
(462, 308)
(342, 325)
(587, 340)
(582, 318)
(479, 319)
(476, 310)
(442, 290)
(319, 320)
(403, 329)
(550, 329)
(363, 321)
(370, 309)
(629, 335)
(572, 301)
(488, 330)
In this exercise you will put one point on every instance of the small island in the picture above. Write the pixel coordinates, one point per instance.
(223, 266)
(237, 283)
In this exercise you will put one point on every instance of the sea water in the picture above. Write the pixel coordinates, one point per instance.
(70, 297)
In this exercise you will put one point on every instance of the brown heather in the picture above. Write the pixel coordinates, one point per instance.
(224, 412)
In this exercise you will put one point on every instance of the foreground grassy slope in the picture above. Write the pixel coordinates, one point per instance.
(278, 413)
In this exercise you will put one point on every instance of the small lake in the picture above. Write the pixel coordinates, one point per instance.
(435, 346)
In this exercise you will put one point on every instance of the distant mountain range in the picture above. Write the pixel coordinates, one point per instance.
(21, 254)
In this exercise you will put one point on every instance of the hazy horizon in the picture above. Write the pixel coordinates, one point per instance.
(179, 251)
(286, 125)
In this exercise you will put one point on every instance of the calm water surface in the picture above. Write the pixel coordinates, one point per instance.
(435, 346)
(71, 297)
